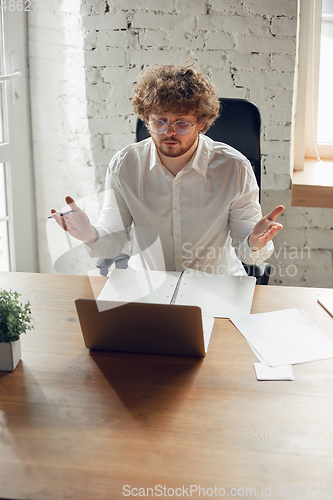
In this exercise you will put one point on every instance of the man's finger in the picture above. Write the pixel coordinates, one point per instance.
(57, 215)
(64, 225)
(274, 213)
(274, 225)
(69, 200)
(59, 219)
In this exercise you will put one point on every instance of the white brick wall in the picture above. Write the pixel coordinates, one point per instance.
(84, 59)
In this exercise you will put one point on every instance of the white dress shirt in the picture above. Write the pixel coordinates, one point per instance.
(199, 219)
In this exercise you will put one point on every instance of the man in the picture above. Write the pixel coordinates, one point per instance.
(193, 202)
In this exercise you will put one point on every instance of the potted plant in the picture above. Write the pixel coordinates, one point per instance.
(15, 319)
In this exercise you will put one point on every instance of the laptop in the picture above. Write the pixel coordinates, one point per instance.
(142, 327)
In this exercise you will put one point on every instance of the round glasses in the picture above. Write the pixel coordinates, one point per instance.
(159, 127)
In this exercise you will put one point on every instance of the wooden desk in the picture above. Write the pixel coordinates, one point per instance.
(76, 426)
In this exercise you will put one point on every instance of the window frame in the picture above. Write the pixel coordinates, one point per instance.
(16, 153)
(312, 179)
(306, 116)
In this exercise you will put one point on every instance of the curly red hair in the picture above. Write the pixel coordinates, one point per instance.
(176, 89)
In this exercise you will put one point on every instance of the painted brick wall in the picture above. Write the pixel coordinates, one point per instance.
(84, 59)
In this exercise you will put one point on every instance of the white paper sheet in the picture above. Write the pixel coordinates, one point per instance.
(128, 285)
(266, 372)
(284, 372)
(260, 358)
(285, 337)
(218, 296)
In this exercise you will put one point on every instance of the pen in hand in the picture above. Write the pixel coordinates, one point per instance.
(62, 213)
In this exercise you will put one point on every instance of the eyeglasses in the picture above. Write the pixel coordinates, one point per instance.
(159, 127)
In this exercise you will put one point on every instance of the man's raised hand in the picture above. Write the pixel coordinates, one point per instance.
(265, 229)
(77, 223)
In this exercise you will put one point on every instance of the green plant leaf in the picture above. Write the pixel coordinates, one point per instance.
(15, 318)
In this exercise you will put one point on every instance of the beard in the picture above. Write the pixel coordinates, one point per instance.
(175, 151)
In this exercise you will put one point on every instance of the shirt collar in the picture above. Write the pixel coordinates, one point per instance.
(198, 162)
(154, 158)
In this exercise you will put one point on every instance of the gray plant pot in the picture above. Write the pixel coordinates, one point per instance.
(10, 355)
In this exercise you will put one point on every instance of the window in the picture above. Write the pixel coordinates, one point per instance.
(312, 184)
(325, 95)
(17, 212)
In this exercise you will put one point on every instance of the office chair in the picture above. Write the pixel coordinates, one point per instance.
(239, 126)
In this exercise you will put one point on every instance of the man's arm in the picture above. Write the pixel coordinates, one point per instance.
(108, 236)
(250, 232)
(115, 219)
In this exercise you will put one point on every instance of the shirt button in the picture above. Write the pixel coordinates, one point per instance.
(176, 182)
(179, 261)
(177, 235)
(176, 209)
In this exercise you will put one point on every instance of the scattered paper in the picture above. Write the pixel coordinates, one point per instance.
(266, 372)
(285, 337)
(260, 358)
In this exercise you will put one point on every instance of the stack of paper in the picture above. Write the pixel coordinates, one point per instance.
(283, 338)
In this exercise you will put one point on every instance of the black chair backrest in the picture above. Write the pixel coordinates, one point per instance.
(238, 125)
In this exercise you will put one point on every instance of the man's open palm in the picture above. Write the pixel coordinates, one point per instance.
(265, 229)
